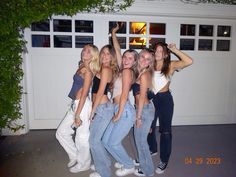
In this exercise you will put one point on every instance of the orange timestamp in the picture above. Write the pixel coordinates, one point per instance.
(202, 160)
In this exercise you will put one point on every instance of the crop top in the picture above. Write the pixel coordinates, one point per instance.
(117, 89)
(159, 81)
(136, 88)
(96, 83)
(78, 83)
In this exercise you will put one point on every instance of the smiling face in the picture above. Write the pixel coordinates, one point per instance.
(86, 53)
(159, 54)
(105, 56)
(128, 60)
(145, 59)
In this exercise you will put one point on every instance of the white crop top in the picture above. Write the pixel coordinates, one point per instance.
(159, 81)
(117, 89)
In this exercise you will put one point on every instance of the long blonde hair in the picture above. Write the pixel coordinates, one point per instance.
(134, 68)
(113, 64)
(150, 67)
(94, 66)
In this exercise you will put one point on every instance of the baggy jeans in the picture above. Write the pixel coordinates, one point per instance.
(140, 134)
(102, 118)
(116, 132)
(79, 148)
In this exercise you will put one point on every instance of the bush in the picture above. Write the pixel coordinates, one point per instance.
(15, 15)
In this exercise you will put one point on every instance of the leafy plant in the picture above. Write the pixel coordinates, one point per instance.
(15, 15)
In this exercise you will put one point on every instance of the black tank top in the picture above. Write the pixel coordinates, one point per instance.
(96, 83)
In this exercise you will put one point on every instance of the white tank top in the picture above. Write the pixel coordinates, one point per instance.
(117, 89)
(159, 81)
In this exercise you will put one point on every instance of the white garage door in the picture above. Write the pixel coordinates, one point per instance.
(54, 49)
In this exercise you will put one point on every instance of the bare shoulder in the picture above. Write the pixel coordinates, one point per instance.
(146, 76)
(106, 69)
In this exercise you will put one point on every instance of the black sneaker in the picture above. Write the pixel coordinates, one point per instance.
(161, 167)
(138, 172)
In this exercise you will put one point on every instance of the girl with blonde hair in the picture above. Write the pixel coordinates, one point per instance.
(79, 112)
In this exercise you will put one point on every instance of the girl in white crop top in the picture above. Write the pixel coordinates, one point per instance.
(163, 101)
(159, 81)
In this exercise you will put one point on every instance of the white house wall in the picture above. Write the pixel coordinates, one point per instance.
(204, 93)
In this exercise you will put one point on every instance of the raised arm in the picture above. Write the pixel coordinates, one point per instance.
(116, 44)
(184, 59)
(87, 83)
(126, 84)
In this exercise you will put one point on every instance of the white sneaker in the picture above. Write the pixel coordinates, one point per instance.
(94, 174)
(77, 168)
(118, 165)
(71, 163)
(125, 171)
(92, 167)
(136, 162)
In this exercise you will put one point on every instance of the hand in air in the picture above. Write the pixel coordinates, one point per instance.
(171, 46)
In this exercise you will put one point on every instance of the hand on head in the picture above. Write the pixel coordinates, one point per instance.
(171, 46)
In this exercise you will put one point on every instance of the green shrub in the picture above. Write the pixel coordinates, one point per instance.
(15, 15)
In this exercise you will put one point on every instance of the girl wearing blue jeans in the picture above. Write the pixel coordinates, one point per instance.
(124, 116)
(144, 112)
(102, 111)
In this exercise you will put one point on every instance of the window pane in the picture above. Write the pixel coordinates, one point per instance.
(122, 30)
(81, 41)
(40, 40)
(137, 43)
(121, 40)
(186, 44)
(205, 44)
(153, 41)
(206, 30)
(137, 28)
(40, 26)
(62, 41)
(187, 30)
(83, 26)
(62, 25)
(223, 45)
(157, 28)
(223, 31)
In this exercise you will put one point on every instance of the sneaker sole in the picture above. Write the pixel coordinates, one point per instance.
(79, 170)
(160, 172)
(153, 154)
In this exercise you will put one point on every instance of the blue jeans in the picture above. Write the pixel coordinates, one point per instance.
(116, 132)
(103, 116)
(140, 134)
(164, 108)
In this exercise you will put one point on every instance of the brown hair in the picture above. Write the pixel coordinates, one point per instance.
(166, 58)
(114, 64)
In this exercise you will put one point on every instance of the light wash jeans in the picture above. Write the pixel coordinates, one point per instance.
(116, 132)
(78, 149)
(140, 134)
(102, 118)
